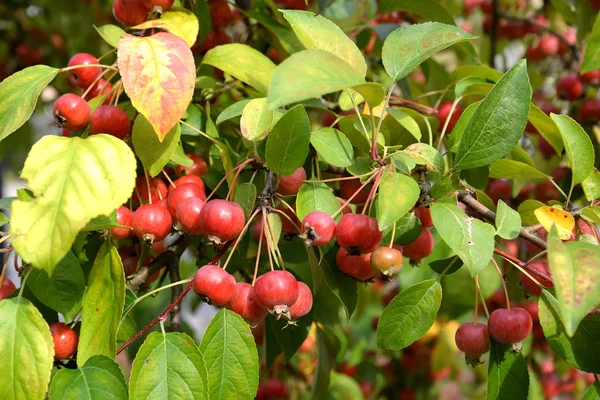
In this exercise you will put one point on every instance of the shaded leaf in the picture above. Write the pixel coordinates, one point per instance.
(408, 229)
(245, 196)
(449, 265)
(333, 147)
(511, 169)
(288, 338)
(546, 127)
(508, 377)
(591, 57)
(429, 9)
(407, 121)
(326, 302)
(153, 152)
(508, 221)
(527, 211)
(234, 110)
(287, 145)
(102, 222)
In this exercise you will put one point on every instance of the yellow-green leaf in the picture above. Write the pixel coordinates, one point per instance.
(257, 120)
(73, 180)
(578, 146)
(110, 33)
(179, 21)
(153, 153)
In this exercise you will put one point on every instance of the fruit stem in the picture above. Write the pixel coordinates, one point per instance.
(447, 122)
(371, 198)
(393, 234)
(288, 218)
(108, 53)
(65, 69)
(385, 105)
(24, 280)
(414, 105)
(146, 295)
(148, 186)
(242, 165)
(6, 237)
(476, 297)
(260, 239)
(89, 88)
(355, 194)
(343, 178)
(200, 132)
(503, 284)
(487, 312)
(275, 245)
(358, 114)
(264, 218)
(524, 267)
(239, 238)
(232, 186)
(168, 178)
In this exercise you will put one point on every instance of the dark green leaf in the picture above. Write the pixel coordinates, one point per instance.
(508, 221)
(3, 219)
(508, 377)
(440, 266)
(409, 316)
(202, 12)
(498, 123)
(245, 196)
(578, 146)
(326, 303)
(153, 153)
(464, 84)
(461, 126)
(315, 197)
(546, 127)
(397, 195)
(178, 157)
(527, 211)
(287, 145)
(102, 222)
(591, 57)
(288, 337)
(234, 110)
(408, 229)
(333, 147)
(325, 361)
(429, 9)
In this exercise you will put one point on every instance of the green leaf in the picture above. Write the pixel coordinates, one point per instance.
(591, 185)
(546, 127)
(318, 33)
(63, 291)
(483, 71)
(447, 266)
(178, 157)
(471, 239)
(583, 348)
(465, 84)
(74, 180)
(233, 111)
(110, 33)
(129, 302)
(508, 221)
(429, 9)
(461, 126)
(593, 392)
(18, 96)
(372, 92)
(591, 57)
(408, 46)
(245, 196)
(511, 169)
(27, 351)
(102, 222)
(99, 379)
(256, 120)
(287, 145)
(408, 229)
(424, 154)
(527, 211)
(409, 316)
(274, 221)
(310, 74)
(397, 195)
(3, 219)
(342, 386)
(342, 285)
(288, 340)
(231, 357)
(168, 366)
(315, 196)
(102, 306)
(575, 267)
(202, 12)
(282, 34)
(498, 123)
(578, 146)
(243, 62)
(326, 302)
(406, 121)
(153, 153)
(326, 351)
(333, 147)
(508, 377)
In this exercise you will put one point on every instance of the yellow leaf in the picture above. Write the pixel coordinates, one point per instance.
(563, 221)
(159, 75)
(179, 21)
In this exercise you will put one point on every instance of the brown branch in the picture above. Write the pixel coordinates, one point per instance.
(525, 265)
(176, 291)
(494, 32)
(466, 198)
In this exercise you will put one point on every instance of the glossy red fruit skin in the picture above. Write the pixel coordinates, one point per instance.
(151, 222)
(188, 215)
(589, 111)
(276, 291)
(358, 267)
(350, 186)
(129, 12)
(444, 112)
(541, 267)
(180, 194)
(245, 305)
(6, 288)
(65, 132)
(425, 216)
(592, 77)
(472, 338)
(549, 45)
(193, 179)
(290, 184)
(420, 248)
(387, 261)
(569, 87)
(158, 190)
(124, 217)
(159, 5)
(199, 167)
(510, 326)
(214, 284)
(220, 13)
(222, 220)
(272, 389)
(65, 340)
(358, 233)
(319, 228)
(286, 225)
(303, 304)
(71, 112)
(499, 189)
(83, 77)
(101, 88)
(110, 120)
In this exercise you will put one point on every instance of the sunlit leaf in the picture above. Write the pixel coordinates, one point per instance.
(562, 220)
(257, 120)
(110, 33)
(398, 193)
(578, 146)
(332, 146)
(179, 21)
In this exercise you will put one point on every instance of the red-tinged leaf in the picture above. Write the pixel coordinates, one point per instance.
(158, 76)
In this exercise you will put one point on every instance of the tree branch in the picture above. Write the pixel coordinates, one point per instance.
(176, 291)
(494, 32)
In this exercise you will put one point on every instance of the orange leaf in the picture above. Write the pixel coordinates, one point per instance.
(158, 74)
(563, 221)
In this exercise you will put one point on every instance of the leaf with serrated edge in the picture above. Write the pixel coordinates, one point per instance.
(257, 120)
(508, 221)
(153, 152)
(409, 316)
(287, 145)
(19, 94)
(316, 32)
(315, 196)
(158, 75)
(99, 379)
(26, 350)
(508, 377)
(102, 306)
(73, 180)
(179, 21)
(230, 357)
(397, 195)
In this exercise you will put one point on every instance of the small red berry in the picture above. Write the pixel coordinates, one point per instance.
(424, 214)
(198, 168)
(589, 111)
(276, 291)
(592, 77)
(220, 13)
(303, 304)
(387, 261)
(510, 326)
(110, 120)
(129, 12)
(499, 189)
(245, 305)
(222, 220)
(180, 194)
(124, 217)
(358, 267)
(290, 184)
(272, 389)
(83, 77)
(158, 190)
(472, 338)
(569, 87)
(188, 215)
(151, 222)
(444, 112)
(287, 225)
(595, 4)
(349, 187)
(542, 276)
(158, 5)
(549, 45)
(65, 340)
(420, 248)
(101, 88)
(6, 288)
(319, 228)
(193, 179)
(71, 112)
(358, 233)
(215, 285)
